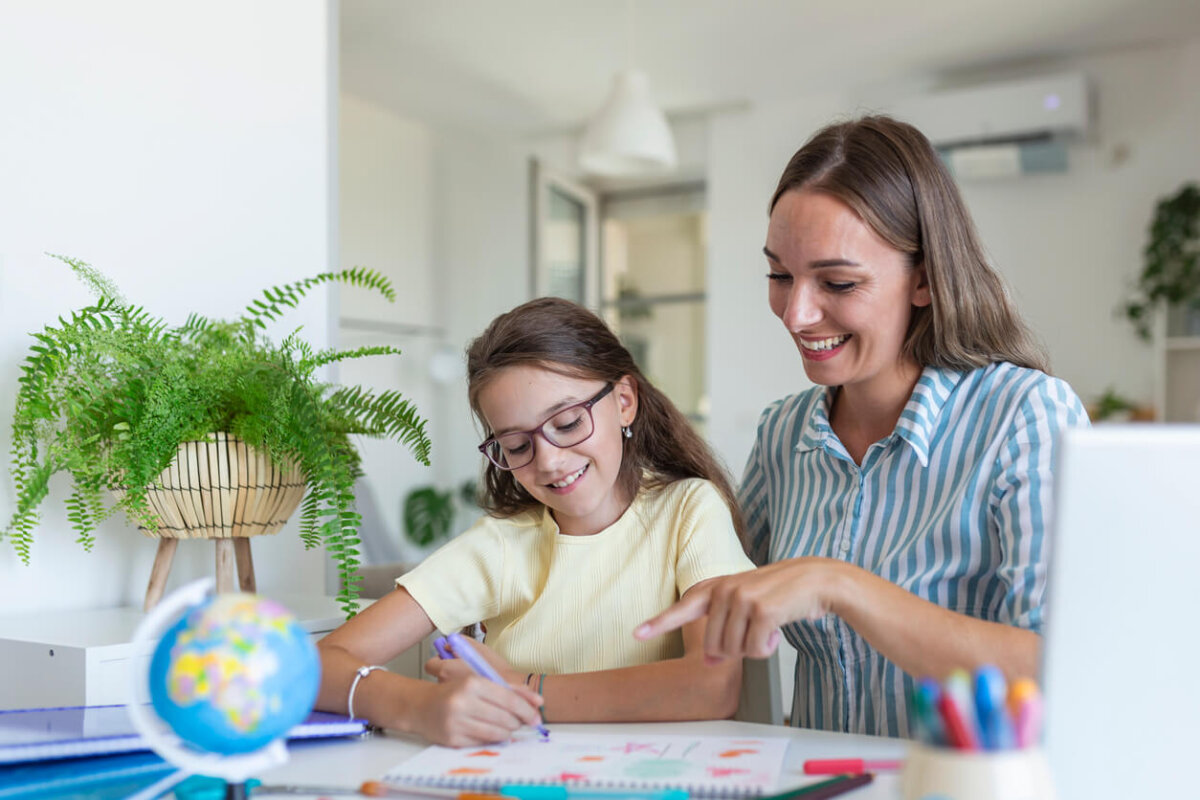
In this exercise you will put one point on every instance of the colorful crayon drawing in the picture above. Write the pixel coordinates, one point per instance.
(703, 765)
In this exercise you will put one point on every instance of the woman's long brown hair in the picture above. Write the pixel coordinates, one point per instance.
(563, 337)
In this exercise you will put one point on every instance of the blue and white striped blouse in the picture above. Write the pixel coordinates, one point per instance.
(952, 506)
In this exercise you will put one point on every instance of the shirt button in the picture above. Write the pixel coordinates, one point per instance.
(845, 546)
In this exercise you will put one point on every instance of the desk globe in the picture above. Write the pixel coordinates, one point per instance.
(230, 675)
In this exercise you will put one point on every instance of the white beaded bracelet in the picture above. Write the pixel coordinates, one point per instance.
(359, 674)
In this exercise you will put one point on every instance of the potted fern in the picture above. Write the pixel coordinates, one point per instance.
(208, 429)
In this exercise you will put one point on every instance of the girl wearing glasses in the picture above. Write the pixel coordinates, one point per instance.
(604, 507)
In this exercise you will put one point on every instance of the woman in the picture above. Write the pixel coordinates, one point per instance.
(901, 505)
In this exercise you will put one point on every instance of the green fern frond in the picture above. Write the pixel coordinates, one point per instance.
(99, 284)
(274, 300)
(387, 414)
(313, 361)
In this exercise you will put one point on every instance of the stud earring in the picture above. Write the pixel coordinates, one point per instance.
(626, 432)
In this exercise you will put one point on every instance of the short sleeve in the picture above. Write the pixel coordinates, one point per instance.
(462, 582)
(1023, 495)
(752, 499)
(708, 543)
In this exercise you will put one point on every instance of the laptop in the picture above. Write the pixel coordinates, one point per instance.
(1121, 664)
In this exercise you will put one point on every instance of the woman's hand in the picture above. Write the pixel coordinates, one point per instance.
(470, 710)
(446, 669)
(746, 610)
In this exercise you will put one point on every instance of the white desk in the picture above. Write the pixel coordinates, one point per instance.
(350, 762)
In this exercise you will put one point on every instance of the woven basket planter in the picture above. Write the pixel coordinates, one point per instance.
(221, 489)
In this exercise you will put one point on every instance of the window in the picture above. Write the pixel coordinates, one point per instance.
(565, 241)
(654, 286)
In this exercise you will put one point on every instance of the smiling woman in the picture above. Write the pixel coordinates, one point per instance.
(900, 507)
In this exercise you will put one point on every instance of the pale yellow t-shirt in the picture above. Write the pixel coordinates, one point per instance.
(555, 603)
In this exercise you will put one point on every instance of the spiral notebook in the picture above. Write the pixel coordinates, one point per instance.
(704, 766)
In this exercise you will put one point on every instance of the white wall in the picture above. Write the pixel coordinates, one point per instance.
(185, 150)
(751, 360)
(386, 211)
(1071, 245)
(442, 212)
(481, 263)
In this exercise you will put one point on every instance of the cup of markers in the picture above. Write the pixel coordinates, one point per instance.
(978, 739)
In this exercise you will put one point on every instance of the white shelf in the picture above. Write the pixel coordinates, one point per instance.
(82, 656)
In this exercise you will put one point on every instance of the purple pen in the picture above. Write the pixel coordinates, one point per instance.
(439, 644)
(480, 666)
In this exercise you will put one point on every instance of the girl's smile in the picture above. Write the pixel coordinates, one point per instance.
(568, 483)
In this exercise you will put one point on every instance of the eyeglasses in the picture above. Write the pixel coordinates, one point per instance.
(571, 426)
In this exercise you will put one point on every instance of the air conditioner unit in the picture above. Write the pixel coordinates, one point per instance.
(1000, 129)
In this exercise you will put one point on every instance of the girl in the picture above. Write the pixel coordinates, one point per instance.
(604, 507)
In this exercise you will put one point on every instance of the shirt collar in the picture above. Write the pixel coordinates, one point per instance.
(917, 420)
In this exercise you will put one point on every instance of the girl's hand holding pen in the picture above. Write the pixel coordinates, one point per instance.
(468, 710)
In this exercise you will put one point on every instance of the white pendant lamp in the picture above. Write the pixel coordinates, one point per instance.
(630, 134)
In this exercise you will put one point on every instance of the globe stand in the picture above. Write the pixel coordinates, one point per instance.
(234, 769)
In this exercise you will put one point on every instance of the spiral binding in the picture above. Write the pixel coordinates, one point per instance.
(486, 784)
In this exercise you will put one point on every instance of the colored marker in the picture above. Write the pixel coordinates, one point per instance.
(848, 766)
(958, 733)
(1025, 703)
(1021, 690)
(958, 687)
(995, 725)
(925, 709)
(459, 647)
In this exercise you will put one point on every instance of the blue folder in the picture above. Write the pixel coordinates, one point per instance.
(40, 734)
(96, 778)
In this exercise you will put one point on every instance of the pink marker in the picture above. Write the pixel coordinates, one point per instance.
(1029, 722)
(848, 766)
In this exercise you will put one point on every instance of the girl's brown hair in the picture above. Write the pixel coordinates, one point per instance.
(888, 173)
(563, 337)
